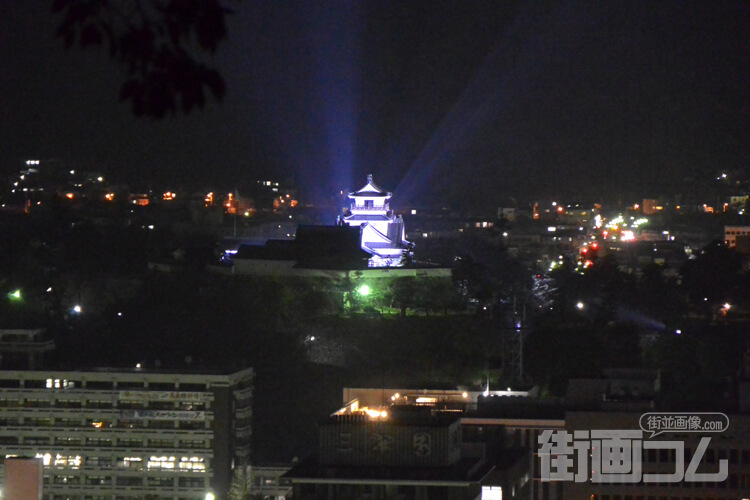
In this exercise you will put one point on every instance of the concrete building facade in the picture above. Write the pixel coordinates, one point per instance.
(122, 435)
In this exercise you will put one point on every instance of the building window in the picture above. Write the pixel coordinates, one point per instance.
(95, 384)
(130, 385)
(98, 480)
(61, 403)
(130, 443)
(193, 387)
(161, 424)
(192, 425)
(135, 405)
(37, 403)
(191, 482)
(103, 462)
(36, 440)
(133, 463)
(192, 444)
(129, 481)
(99, 404)
(38, 421)
(161, 443)
(160, 481)
(66, 441)
(161, 405)
(98, 442)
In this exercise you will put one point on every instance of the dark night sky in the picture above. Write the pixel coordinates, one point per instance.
(463, 100)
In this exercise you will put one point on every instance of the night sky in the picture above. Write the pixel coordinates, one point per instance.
(462, 102)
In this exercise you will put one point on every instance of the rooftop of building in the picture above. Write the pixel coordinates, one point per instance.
(368, 218)
(421, 416)
(370, 190)
(193, 372)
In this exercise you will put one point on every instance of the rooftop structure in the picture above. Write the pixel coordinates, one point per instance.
(406, 455)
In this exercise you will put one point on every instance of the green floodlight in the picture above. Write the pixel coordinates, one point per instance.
(15, 295)
(364, 290)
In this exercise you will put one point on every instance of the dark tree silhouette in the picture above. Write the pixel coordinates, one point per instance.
(159, 43)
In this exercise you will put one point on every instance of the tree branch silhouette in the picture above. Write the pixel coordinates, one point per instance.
(161, 44)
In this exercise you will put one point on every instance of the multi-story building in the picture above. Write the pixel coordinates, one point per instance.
(401, 454)
(121, 435)
(383, 234)
(417, 444)
(735, 234)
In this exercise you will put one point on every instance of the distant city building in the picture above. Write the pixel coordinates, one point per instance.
(23, 348)
(382, 232)
(266, 481)
(651, 206)
(392, 443)
(414, 444)
(735, 234)
(126, 435)
(410, 455)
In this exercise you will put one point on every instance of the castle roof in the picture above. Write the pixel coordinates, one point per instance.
(370, 189)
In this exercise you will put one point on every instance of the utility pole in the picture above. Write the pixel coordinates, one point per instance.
(513, 331)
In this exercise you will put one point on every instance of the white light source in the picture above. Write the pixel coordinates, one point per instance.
(77, 309)
(580, 306)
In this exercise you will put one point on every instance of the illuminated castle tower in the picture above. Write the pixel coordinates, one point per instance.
(382, 232)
